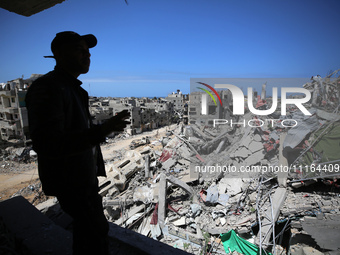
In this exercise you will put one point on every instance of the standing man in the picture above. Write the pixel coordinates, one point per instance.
(67, 143)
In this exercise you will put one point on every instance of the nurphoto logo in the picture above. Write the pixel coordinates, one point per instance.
(238, 99)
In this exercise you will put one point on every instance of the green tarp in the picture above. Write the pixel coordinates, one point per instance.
(232, 242)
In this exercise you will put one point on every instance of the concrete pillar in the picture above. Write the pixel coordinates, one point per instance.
(282, 176)
(162, 200)
(147, 166)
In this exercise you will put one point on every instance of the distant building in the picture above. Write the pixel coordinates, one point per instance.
(180, 105)
(13, 113)
(214, 111)
(177, 99)
(146, 113)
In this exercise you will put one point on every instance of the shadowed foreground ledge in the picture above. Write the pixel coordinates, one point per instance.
(28, 231)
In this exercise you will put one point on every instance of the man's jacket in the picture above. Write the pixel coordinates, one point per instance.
(66, 141)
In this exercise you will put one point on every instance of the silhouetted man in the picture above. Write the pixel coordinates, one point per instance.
(67, 143)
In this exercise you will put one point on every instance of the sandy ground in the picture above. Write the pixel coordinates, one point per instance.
(108, 150)
(12, 182)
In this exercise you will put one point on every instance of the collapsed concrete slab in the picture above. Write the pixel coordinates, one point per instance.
(254, 158)
(255, 146)
(231, 186)
(326, 232)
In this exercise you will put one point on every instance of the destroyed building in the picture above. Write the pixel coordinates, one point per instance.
(214, 110)
(13, 114)
(145, 113)
(192, 195)
(177, 98)
(180, 104)
(186, 189)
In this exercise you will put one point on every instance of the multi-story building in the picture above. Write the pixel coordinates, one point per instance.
(13, 113)
(214, 111)
(146, 113)
(180, 105)
(176, 99)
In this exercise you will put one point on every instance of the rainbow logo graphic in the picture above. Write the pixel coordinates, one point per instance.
(204, 97)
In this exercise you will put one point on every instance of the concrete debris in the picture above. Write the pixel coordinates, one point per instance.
(242, 153)
(179, 222)
(272, 214)
(212, 194)
(196, 209)
(139, 142)
(256, 146)
(201, 181)
(298, 133)
(143, 194)
(325, 231)
(223, 199)
(306, 251)
(254, 158)
(231, 186)
(18, 154)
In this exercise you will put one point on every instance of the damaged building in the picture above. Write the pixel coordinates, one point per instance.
(13, 114)
(242, 189)
(145, 113)
(259, 189)
(180, 105)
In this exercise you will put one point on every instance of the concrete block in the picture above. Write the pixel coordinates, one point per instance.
(246, 140)
(242, 153)
(179, 222)
(254, 158)
(130, 169)
(47, 204)
(255, 146)
(231, 186)
(223, 221)
(169, 163)
(257, 138)
(216, 231)
(132, 212)
(326, 202)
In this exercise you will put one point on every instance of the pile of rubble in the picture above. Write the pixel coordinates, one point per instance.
(247, 190)
(18, 154)
(13, 160)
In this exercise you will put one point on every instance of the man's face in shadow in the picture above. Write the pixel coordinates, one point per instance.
(74, 58)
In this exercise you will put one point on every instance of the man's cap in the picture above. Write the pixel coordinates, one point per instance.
(69, 37)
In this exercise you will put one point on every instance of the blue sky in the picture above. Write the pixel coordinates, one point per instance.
(152, 48)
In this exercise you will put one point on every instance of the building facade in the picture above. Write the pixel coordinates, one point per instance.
(13, 113)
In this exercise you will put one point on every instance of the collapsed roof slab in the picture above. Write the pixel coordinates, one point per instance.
(326, 232)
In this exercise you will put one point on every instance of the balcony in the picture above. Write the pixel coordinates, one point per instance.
(10, 124)
(10, 110)
(7, 93)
